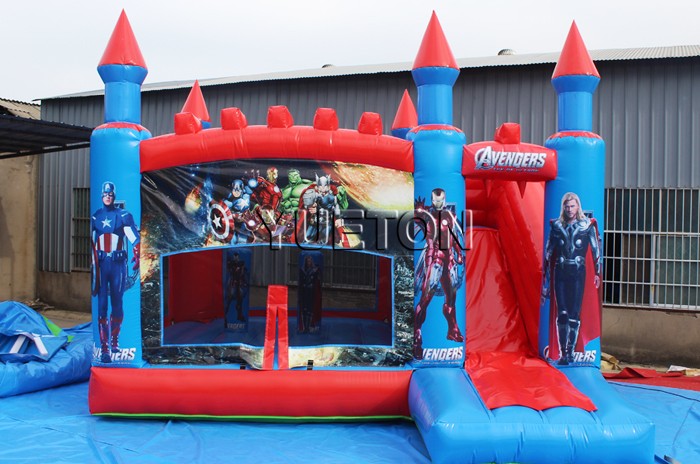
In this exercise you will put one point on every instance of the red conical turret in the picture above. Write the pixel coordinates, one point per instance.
(122, 47)
(575, 78)
(195, 103)
(406, 116)
(434, 71)
(574, 58)
(123, 70)
(434, 50)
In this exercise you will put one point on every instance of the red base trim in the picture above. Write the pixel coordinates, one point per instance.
(223, 392)
(435, 127)
(121, 125)
(585, 134)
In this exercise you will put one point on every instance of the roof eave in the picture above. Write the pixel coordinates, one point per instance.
(621, 54)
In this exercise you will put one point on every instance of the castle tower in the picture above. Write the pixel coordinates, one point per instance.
(575, 78)
(122, 69)
(440, 202)
(435, 72)
(115, 201)
(575, 321)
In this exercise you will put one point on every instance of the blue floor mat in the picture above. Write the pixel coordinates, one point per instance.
(55, 426)
(333, 331)
(676, 414)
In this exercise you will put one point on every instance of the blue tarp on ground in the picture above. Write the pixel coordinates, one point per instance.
(35, 354)
(55, 426)
(676, 414)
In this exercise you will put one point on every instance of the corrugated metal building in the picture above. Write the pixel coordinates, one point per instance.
(647, 109)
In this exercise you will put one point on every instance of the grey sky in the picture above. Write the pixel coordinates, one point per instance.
(52, 47)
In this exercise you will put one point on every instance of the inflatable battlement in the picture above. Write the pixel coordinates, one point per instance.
(324, 141)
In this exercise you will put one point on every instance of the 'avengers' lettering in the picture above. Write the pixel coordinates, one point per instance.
(487, 158)
(123, 354)
(442, 354)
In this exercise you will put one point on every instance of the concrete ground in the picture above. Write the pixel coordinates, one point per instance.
(65, 319)
(61, 317)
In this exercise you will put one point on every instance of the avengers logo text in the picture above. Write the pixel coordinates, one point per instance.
(486, 158)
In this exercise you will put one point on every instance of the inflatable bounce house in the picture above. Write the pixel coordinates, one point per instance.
(409, 275)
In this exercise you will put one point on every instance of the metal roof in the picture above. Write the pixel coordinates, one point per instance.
(25, 136)
(620, 54)
(21, 109)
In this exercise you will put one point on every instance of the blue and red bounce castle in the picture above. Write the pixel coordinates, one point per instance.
(479, 318)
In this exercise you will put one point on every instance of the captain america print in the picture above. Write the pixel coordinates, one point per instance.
(112, 230)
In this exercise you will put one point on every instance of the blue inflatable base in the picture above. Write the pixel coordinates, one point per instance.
(458, 428)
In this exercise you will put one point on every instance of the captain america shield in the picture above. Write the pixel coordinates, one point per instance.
(94, 271)
(221, 223)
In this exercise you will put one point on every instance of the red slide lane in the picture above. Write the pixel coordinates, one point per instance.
(503, 273)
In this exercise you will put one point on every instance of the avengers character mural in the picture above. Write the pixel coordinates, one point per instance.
(112, 228)
(319, 218)
(234, 204)
(231, 219)
(256, 210)
(267, 194)
(291, 193)
(309, 305)
(572, 251)
(440, 269)
(236, 287)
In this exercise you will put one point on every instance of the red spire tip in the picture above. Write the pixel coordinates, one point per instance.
(122, 47)
(195, 103)
(406, 115)
(507, 133)
(575, 59)
(434, 50)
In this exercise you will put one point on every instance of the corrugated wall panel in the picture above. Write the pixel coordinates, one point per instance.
(655, 126)
(695, 122)
(60, 173)
(644, 134)
(674, 165)
(486, 98)
(649, 115)
(685, 94)
(648, 111)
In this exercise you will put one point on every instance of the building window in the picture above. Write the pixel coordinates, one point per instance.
(80, 234)
(341, 269)
(652, 248)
